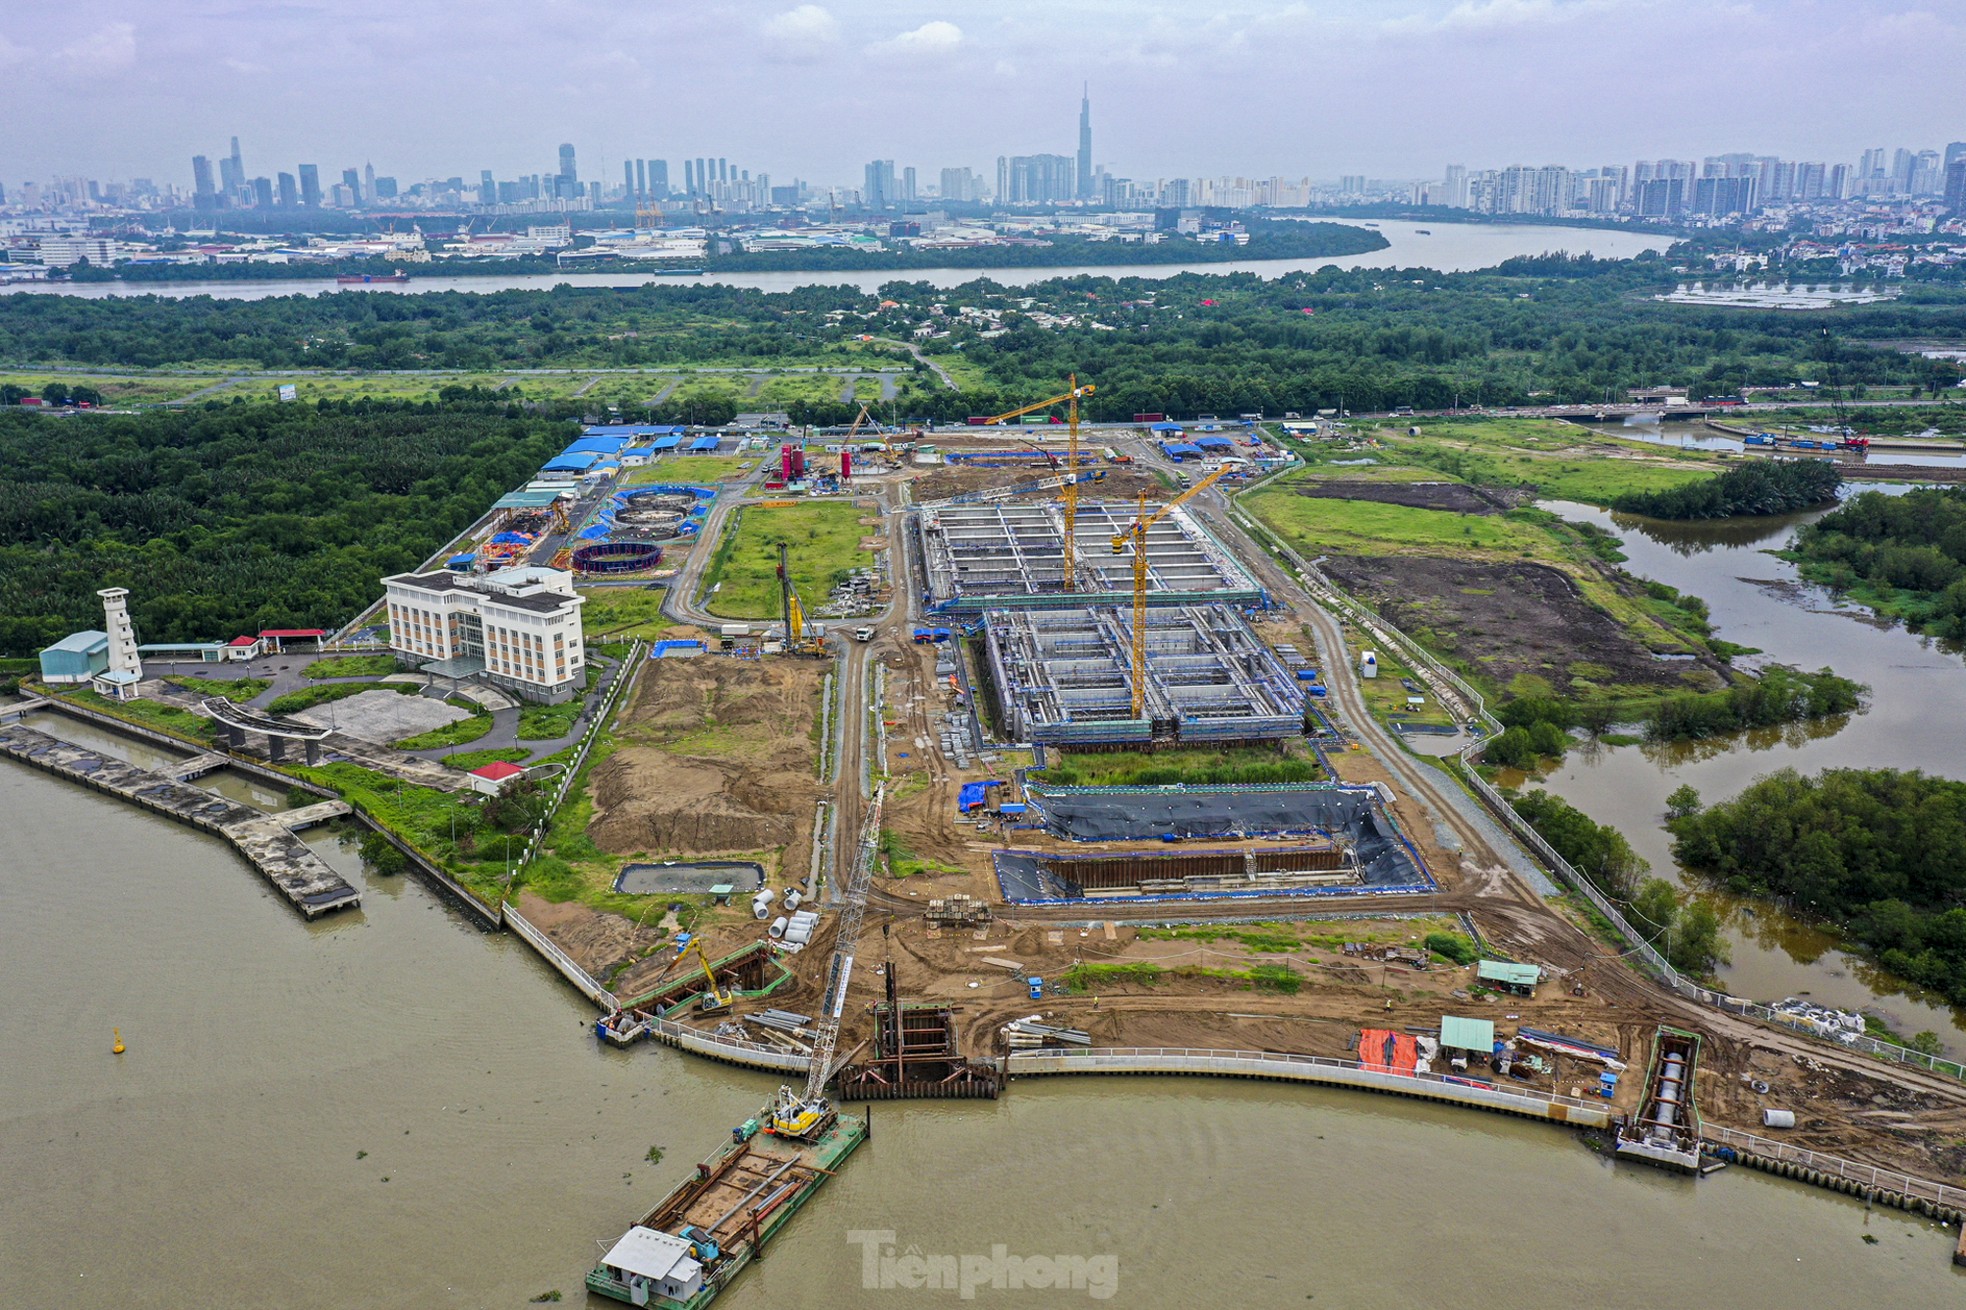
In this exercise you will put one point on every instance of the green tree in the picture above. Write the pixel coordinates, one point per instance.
(1683, 803)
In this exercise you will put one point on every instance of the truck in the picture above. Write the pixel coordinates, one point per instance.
(863, 634)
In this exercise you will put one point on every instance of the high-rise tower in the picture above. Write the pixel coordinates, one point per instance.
(1085, 143)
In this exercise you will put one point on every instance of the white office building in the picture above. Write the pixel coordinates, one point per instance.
(518, 629)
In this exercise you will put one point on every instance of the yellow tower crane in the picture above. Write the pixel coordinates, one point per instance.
(1071, 490)
(1134, 536)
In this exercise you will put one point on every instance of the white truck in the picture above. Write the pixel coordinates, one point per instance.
(863, 634)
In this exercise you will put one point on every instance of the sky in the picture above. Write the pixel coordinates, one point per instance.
(1388, 88)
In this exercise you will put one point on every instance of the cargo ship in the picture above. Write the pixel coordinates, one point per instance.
(371, 279)
(701, 1235)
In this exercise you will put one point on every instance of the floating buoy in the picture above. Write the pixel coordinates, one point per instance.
(117, 1049)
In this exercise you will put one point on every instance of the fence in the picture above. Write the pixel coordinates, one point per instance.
(1889, 1180)
(731, 1050)
(624, 682)
(559, 959)
(1434, 672)
(1312, 1069)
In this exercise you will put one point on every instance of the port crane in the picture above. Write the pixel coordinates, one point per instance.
(1070, 398)
(1134, 537)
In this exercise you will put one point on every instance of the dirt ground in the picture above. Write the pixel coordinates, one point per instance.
(717, 758)
(1512, 619)
(1456, 496)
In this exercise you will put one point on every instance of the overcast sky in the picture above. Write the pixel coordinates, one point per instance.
(1389, 88)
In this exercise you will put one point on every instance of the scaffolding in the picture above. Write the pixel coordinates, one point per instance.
(998, 556)
(1064, 677)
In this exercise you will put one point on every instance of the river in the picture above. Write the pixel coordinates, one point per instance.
(387, 1108)
(1758, 600)
(1448, 247)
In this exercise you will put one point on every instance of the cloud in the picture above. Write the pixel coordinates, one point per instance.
(110, 47)
(805, 30)
(929, 41)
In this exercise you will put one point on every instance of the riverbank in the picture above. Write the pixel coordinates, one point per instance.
(202, 1103)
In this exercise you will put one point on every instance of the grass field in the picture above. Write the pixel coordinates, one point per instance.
(1561, 460)
(1364, 527)
(694, 469)
(351, 666)
(146, 390)
(623, 613)
(825, 546)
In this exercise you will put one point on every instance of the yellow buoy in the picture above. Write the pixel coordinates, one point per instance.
(117, 1049)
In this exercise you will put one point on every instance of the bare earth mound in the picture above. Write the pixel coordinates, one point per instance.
(1458, 497)
(1511, 619)
(717, 758)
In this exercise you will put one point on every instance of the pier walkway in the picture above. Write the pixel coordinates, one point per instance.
(267, 840)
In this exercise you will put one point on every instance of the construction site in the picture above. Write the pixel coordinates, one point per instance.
(1012, 556)
(1066, 677)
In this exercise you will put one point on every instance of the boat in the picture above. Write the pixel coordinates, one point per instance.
(676, 272)
(1421, 232)
(698, 1238)
(371, 279)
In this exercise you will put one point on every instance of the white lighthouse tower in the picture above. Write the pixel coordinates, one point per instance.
(125, 666)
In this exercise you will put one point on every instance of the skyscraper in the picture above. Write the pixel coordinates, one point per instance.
(232, 182)
(569, 183)
(879, 191)
(641, 178)
(908, 183)
(203, 194)
(1956, 184)
(289, 191)
(368, 183)
(310, 186)
(1084, 190)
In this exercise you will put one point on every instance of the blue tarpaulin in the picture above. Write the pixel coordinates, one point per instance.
(974, 794)
(512, 539)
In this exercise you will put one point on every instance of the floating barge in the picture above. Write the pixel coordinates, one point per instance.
(1666, 1129)
(698, 1237)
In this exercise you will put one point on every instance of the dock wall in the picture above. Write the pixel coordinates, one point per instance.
(1940, 1201)
(1524, 1102)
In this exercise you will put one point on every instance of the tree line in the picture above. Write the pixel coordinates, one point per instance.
(229, 519)
(1764, 486)
(1880, 853)
(1904, 555)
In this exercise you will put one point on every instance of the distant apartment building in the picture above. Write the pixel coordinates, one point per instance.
(67, 249)
(1036, 179)
(518, 629)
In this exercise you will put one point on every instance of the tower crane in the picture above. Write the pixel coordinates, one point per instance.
(1070, 494)
(1134, 537)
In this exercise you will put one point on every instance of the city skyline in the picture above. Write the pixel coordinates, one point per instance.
(1382, 88)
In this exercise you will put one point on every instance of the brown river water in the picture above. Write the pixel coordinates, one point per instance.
(219, 1161)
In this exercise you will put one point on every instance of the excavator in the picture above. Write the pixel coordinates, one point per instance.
(716, 1000)
(1070, 494)
(1134, 537)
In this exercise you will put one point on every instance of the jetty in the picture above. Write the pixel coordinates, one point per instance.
(266, 840)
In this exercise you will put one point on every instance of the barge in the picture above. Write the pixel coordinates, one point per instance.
(698, 1238)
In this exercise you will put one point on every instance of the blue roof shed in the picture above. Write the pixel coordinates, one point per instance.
(77, 657)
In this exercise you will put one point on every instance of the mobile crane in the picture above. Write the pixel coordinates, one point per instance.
(1134, 537)
(1070, 495)
(794, 610)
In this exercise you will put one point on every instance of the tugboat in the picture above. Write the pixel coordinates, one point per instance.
(696, 1239)
(372, 279)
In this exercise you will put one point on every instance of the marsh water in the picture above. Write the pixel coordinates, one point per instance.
(1910, 722)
